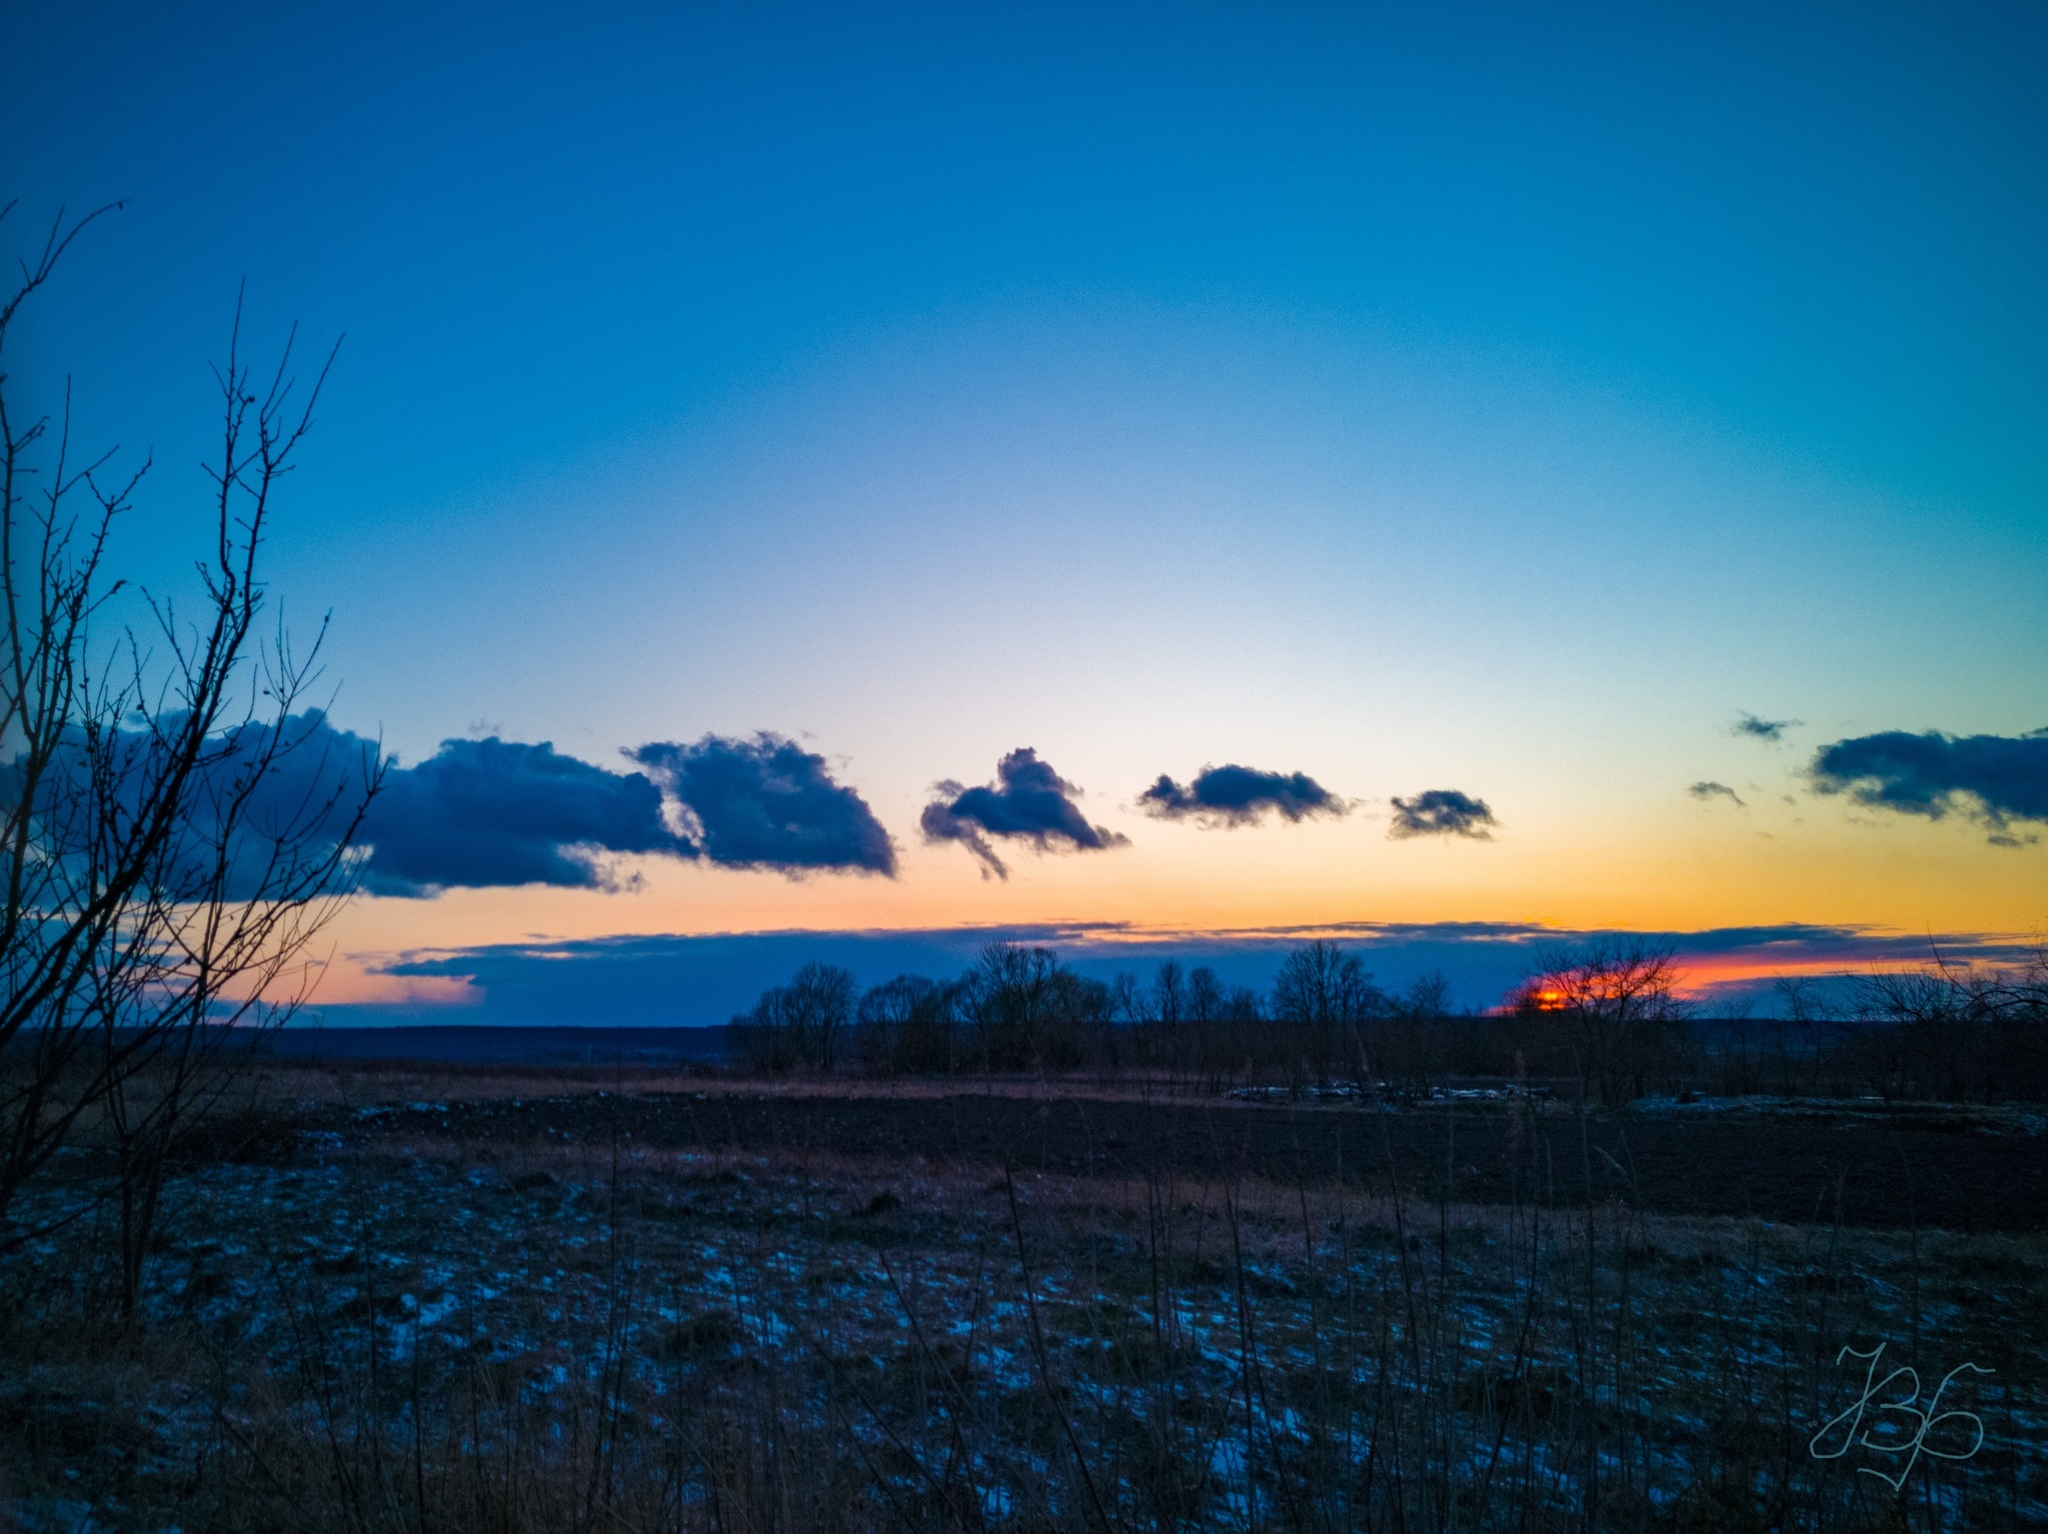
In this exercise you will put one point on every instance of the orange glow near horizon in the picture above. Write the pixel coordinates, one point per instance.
(375, 931)
(1175, 885)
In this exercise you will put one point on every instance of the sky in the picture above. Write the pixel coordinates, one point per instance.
(1587, 463)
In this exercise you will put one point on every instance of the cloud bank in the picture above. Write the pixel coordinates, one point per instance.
(1992, 779)
(768, 803)
(1442, 812)
(703, 980)
(1239, 796)
(1027, 802)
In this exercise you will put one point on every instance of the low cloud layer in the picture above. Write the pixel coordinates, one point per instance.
(1748, 724)
(679, 979)
(1995, 780)
(480, 813)
(1442, 812)
(1027, 802)
(1240, 796)
(768, 803)
(1706, 790)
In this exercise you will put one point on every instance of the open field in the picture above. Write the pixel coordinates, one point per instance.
(494, 1300)
(1963, 1170)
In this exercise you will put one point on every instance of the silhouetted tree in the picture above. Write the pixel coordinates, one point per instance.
(819, 1010)
(172, 836)
(1429, 996)
(1616, 1000)
(1325, 994)
(907, 1024)
(799, 1024)
(1029, 1011)
(1954, 1031)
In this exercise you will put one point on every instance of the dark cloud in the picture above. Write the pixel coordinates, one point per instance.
(499, 812)
(493, 812)
(1747, 723)
(1993, 779)
(1705, 789)
(768, 803)
(266, 801)
(1028, 801)
(1239, 796)
(1442, 812)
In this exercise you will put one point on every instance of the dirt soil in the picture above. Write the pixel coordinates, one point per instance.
(544, 1302)
(1911, 1172)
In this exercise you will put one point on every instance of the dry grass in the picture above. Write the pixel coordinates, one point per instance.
(372, 1083)
(407, 1332)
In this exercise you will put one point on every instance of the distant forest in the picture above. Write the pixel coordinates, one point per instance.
(1606, 1021)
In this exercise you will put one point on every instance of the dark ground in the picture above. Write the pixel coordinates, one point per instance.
(482, 1043)
(1914, 1170)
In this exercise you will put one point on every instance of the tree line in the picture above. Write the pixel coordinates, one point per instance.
(1605, 1020)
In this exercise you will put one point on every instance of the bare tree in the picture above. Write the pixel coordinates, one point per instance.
(907, 1024)
(177, 825)
(1029, 1011)
(1326, 994)
(803, 1023)
(1809, 1014)
(1428, 996)
(1321, 983)
(764, 1038)
(1618, 998)
(820, 1010)
(1954, 1030)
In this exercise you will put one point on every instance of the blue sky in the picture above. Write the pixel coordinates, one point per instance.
(1494, 398)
